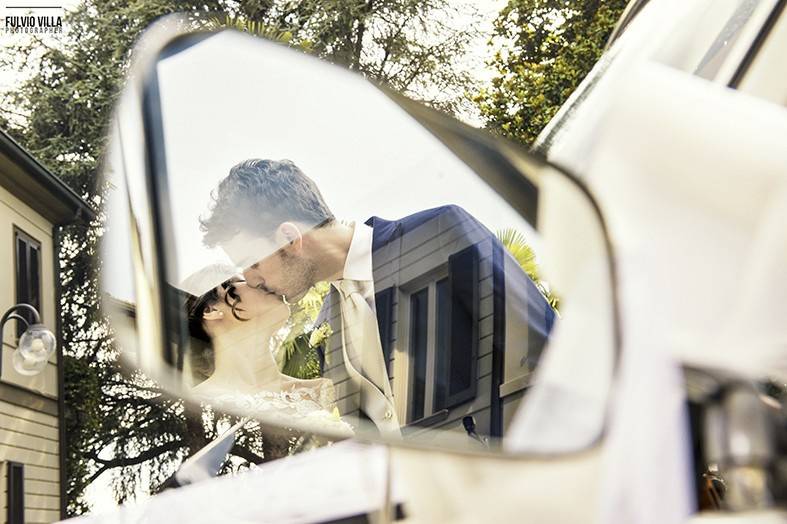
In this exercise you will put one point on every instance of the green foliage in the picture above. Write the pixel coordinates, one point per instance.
(60, 115)
(245, 25)
(298, 354)
(516, 244)
(83, 389)
(302, 359)
(122, 423)
(544, 48)
(413, 46)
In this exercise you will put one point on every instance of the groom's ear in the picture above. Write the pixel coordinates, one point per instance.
(289, 236)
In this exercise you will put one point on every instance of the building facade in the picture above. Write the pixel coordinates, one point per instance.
(34, 206)
(461, 326)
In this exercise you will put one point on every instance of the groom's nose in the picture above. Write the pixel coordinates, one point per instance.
(252, 277)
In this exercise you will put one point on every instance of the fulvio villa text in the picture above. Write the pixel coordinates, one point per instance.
(34, 21)
(34, 24)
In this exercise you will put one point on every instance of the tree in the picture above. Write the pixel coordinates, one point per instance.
(415, 47)
(544, 50)
(118, 421)
(61, 115)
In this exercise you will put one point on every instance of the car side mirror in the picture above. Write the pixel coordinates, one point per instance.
(289, 242)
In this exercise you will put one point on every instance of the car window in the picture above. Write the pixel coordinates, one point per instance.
(734, 31)
(709, 38)
(761, 73)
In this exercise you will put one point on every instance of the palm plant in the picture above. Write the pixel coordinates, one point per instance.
(516, 244)
(245, 25)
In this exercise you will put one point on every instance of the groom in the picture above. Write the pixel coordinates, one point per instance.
(271, 219)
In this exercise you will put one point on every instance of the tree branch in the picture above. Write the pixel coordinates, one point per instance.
(95, 475)
(142, 457)
(358, 44)
(246, 454)
(389, 44)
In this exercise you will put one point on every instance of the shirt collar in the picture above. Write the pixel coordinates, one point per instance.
(358, 265)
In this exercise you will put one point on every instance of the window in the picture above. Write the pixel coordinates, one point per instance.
(15, 493)
(734, 30)
(442, 325)
(28, 275)
(760, 72)
(443, 338)
(429, 321)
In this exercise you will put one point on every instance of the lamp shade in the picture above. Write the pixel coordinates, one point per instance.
(27, 366)
(36, 345)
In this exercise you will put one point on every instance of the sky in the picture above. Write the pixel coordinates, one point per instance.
(9, 78)
(367, 156)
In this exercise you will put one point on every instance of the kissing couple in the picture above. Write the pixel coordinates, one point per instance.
(272, 220)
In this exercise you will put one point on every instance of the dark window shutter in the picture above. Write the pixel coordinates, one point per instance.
(35, 272)
(28, 273)
(16, 493)
(383, 301)
(443, 320)
(21, 266)
(460, 364)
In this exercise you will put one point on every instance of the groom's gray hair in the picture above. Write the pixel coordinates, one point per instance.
(259, 195)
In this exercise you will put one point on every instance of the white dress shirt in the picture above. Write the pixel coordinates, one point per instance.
(369, 371)
(358, 266)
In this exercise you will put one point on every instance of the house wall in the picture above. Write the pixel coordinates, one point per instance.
(28, 405)
(405, 264)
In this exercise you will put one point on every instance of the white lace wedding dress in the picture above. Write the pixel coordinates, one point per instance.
(307, 405)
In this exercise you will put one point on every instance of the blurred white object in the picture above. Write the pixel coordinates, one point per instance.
(647, 467)
(328, 483)
(691, 177)
(566, 408)
(693, 181)
(206, 463)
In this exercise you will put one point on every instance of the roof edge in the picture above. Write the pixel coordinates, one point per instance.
(81, 210)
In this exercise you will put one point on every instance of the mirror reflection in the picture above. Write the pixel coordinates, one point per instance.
(396, 316)
(334, 267)
(337, 264)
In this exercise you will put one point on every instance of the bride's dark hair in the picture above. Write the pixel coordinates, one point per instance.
(201, 355)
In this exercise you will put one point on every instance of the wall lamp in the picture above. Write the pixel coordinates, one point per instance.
(35, 346)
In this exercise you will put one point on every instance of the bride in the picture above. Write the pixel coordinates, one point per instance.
(231, 328)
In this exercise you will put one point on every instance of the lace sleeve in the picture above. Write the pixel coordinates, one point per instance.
(319, 390)
(290, 408)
